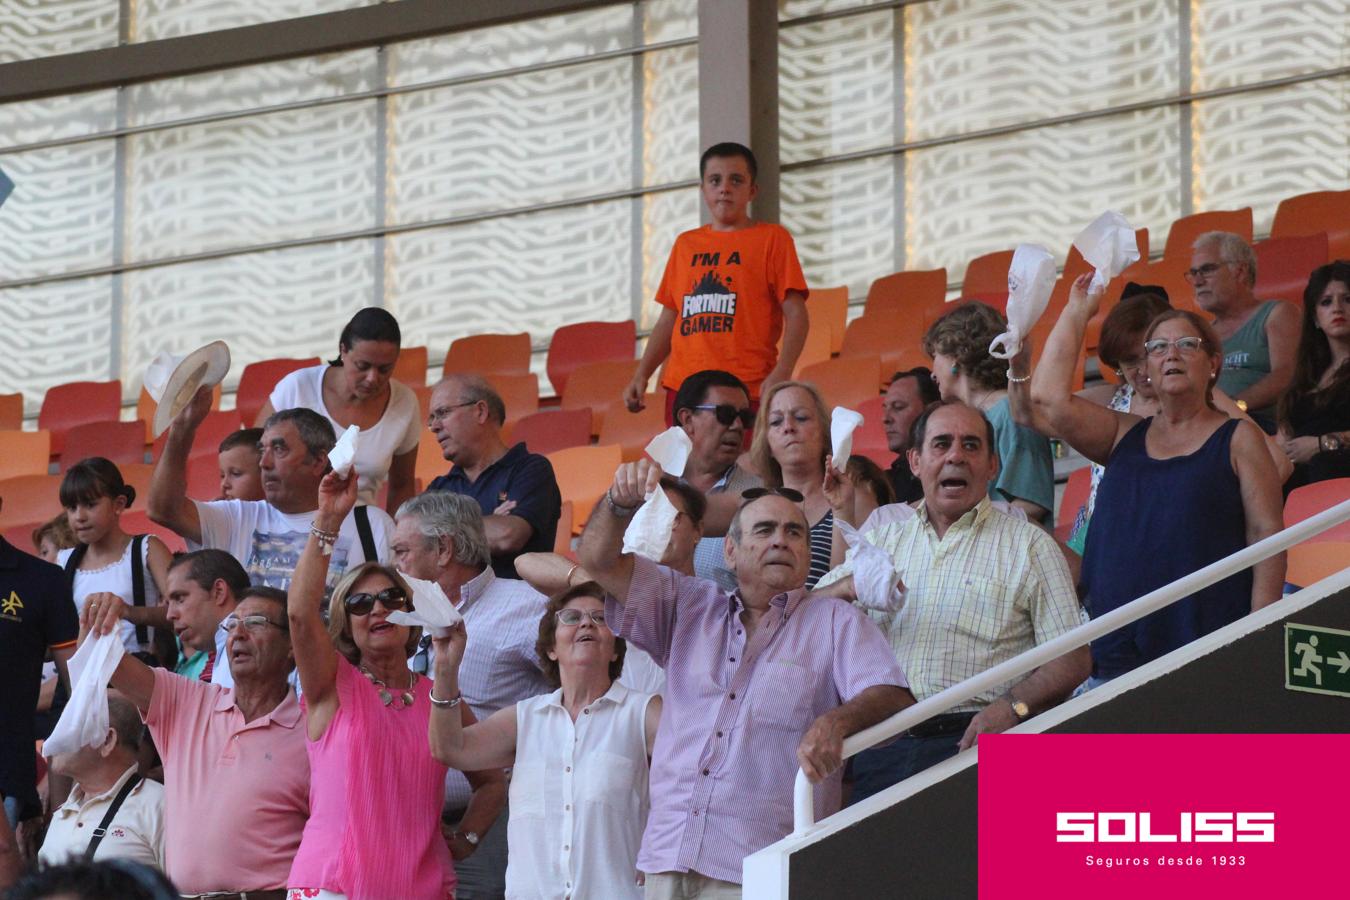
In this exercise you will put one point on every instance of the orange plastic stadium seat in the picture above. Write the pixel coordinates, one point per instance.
(870, 438)
(829, 307)
(584, 474)
(120, 442)
(489, 354)
(916, 293)
(986, 279)
(1324, 212)
(1185, 230)
(1076, 491)
(31, 498)
(431, 461)
(1311, 499)
(598, 386)
(847, 381)
(519, 393)
(889, 336)
(423, 394)
(257, 381)
(633, 431)
(1284, 264)
(816, 349)
(553, 429)
(21, 536)
(588, 342)
(138, 475)
(562, 541)
(203, 478)
(137, 521)
(11, 412)
(1310, 563)
(215, 428)
(24, 453)
(411, 368)
(68, 405)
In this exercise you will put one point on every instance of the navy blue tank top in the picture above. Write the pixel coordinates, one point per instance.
(1155, 521)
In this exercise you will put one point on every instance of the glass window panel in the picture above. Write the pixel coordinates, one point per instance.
(1237, 42)
(1040, 186)
(288, 302)
(670, 147)
(527, 43)
(32, 29)
(512, 142)
(664, 217)
(532, 272)
(1256, 149)
(836, 87)
(60, 216)
(247, 181)
(795, 9)
(669, 20)
(976, 64)
(158, 19)
(54, 118)
(250, 87)
(842, 217)
(55, 333)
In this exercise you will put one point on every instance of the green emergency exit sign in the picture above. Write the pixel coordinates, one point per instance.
(1317, 660)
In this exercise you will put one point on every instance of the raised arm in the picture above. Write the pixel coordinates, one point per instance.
(602, 542)
(132, 677)
(487, 745)
(1262, 507)
(315, 658)
(168, 503)
(549, 573)
(1090, 429)
(658, 348)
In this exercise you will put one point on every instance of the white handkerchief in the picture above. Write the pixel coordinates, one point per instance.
(1031, 278)
(648, 532)
(1109, 245)
(431, 608)
(843, 422)
(874, 577)
(343, 454)
(670, 449)
(84, 721)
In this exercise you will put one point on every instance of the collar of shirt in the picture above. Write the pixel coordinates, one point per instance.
(616, 694)
(77, 797)
(786, 603)
(286, 714)
(721, 483)
(511, 455)
(475, 587)
(967, 522)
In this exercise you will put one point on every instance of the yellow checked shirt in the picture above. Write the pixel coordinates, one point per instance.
(993, 587)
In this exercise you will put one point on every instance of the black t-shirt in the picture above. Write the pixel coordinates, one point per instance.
(36, 612)
(906, 485)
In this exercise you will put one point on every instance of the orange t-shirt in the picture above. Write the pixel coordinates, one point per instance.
(727, 290)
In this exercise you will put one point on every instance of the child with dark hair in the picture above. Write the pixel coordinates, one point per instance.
(106, 558)
(240, 465)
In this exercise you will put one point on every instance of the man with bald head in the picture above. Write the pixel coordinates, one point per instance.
(760, 681)
(515, 489)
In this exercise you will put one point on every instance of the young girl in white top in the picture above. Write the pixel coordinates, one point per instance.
(356, 389)
(95, 497)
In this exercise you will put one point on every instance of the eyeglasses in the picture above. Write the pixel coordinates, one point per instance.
(727, 414)
(1186, 346)
(1135, 363)
(1200, 273)
(255, 623)
(442, 412)
(573, 616)
(785, 492)
(362, 604)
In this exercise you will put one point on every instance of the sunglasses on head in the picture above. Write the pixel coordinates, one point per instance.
(727, 414)
(786, 493)
(361, 604)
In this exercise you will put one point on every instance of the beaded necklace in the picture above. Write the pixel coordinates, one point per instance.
(405, 698)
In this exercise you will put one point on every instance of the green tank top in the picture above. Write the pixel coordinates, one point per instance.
(1246, 355)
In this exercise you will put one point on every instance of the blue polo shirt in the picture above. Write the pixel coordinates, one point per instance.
(36, 613)
(524, 477)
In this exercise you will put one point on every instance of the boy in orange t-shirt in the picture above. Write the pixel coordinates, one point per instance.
(729, 290)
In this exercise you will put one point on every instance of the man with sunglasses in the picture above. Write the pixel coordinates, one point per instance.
(515, 489)
(1260, 339)
(759, 682)
(713, 407)
(236, 768)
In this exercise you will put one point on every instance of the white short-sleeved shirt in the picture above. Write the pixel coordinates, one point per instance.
(136, 832)
(268, 542)
(397, 432)
(115, 579)
(641, 673)
(578, 797)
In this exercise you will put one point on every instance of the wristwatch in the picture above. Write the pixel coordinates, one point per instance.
(1019, 708)
(1329, 443)
(470, 836)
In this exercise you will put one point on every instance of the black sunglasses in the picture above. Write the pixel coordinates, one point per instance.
(361, 604)
(727, 414)
(786, 493)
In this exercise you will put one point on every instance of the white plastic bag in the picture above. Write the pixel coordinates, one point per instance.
(875, 581)
(1031, 278)
(431, 608)
(648, 532)
(1109, 245)
(84, 721)
(843, 422)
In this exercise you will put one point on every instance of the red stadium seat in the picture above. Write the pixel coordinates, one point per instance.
(553, 429)
(77, 403)
(1185, 230)
(137, 521)
(1284, 264)
(588, 342)
(215, 428)
(870, 438)
(1324, 212)
(257, 381)
(29, 498)
(11, 412)
(120, 442)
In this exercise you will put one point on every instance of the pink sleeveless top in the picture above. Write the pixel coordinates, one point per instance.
(375, 800)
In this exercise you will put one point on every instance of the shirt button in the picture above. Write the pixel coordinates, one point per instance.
(568, 769)
(567, 847)
(568, 807)
(587, 710)
(733, 695)
(719, 734)
(732, 658)
(705, 771)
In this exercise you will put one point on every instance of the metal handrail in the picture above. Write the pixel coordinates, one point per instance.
(803, 794)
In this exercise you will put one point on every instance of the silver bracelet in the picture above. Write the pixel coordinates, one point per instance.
(1015, 380)
(622, 512)
(445, 704)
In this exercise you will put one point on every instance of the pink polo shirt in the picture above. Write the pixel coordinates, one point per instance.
(236, 793)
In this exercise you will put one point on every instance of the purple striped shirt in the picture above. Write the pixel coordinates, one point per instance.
(726, 753)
